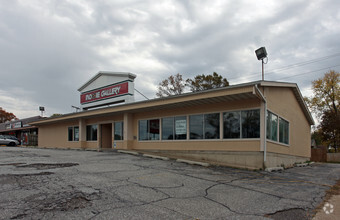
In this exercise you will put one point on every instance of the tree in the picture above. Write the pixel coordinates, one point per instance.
(173, 85)
(330, 126)
(6, 116)
(317, 137)
(204, 82)
(326, 92)
(325, 104)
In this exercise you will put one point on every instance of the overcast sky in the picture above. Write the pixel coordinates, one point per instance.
(48, 49)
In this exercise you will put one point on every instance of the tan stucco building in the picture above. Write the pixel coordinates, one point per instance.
(252, 125)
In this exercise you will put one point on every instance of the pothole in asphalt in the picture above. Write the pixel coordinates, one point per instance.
(46, 166)
(19, 178)
(11, 164)
(65, 202)
(295, 213)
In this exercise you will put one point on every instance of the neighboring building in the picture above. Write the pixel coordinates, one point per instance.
(252, 125)
(21, 129)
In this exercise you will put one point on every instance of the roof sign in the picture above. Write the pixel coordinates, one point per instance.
(104, 93)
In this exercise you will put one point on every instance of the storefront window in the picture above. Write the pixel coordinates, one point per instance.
(284, 131)
(250, 123)
(118, 131)
(168, 128)
(149, 129)
(174, 128)
(154, 129)
(70, 134)
(76, 133)
(91, 132)
(181, 128)
(231, 125)
(196, 126)
(73, 133)
(272, 123)
(205, 126)
(212, 126)
(143, 130)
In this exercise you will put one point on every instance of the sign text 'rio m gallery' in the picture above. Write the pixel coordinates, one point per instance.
(104, 93)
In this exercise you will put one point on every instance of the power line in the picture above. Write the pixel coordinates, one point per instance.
(142, 94)
(309, 72)
(290, 66)
(306, 62)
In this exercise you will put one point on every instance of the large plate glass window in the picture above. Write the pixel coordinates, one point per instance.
(118, 128)
(76, 133)
(154, 129)
(250, 123)
(180, 127)
(241, 124)
(232, 124)
(91, 132)
(174, 128)
(168, 128)
(283, 131)
(212, 126)
(143, 130)
(70, 133)
(73, 133)
(196, 126)
(272, 124)
(149, 129)
(205, 126)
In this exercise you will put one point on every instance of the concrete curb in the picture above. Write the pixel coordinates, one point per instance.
(301, 164)
(128, 152)
(155, 157)
(193, 162)
(271, 169)
(304, 164)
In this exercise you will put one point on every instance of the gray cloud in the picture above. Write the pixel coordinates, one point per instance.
(49, 49)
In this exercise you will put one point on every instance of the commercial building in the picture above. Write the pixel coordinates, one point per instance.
(21, 129)
(252, 125)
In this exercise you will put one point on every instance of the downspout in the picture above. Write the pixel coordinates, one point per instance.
(265, 125)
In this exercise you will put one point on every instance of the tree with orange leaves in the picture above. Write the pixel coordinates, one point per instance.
(325, 104)
(6, 116)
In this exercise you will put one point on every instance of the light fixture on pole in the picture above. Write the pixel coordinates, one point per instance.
(42, 109)
(261, 53)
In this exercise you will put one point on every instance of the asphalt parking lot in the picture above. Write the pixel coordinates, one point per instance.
(70, 184)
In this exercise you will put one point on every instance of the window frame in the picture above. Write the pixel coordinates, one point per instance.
(204, 128)
(241, 138)
(288, 138)
(121, 133)
(91, 139)
(148, 129)
(72, 129)
(239, 123)
(189, 131)
(269, 116)
(172, 128)
(176, 135)
(74, 133)
(278, 130)
(70, 134)
(187, 118)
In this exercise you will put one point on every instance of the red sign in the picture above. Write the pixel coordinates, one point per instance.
(104, 93)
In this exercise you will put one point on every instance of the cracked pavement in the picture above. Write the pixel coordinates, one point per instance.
(70, 184)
